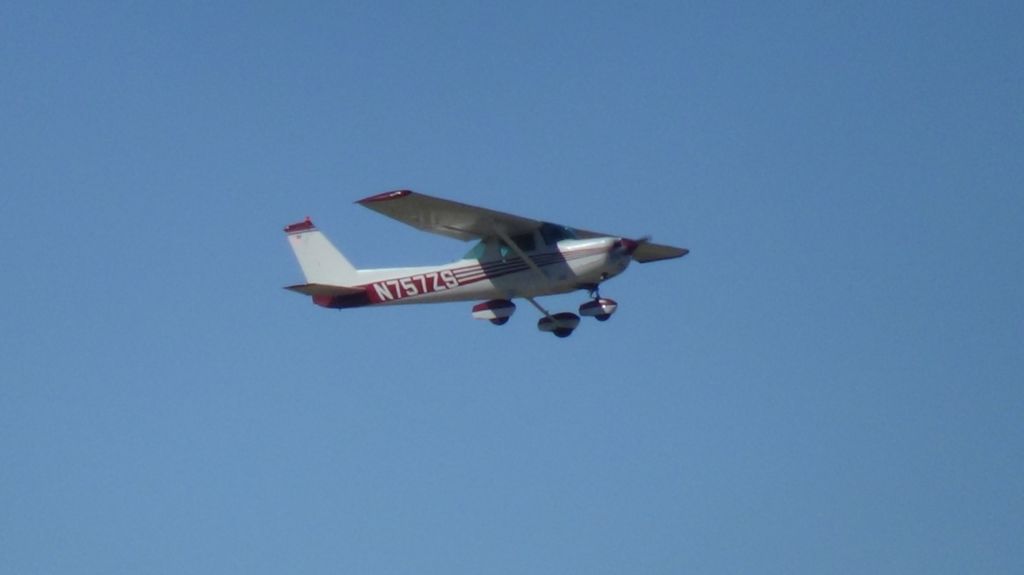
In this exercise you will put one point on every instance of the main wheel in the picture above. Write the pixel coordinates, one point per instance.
(562, 332)
(499, 320)
(603, 316)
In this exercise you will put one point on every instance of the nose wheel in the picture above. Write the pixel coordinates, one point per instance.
(599, 308)
(562, 324)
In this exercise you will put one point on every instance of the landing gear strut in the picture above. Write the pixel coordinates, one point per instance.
(561, 324)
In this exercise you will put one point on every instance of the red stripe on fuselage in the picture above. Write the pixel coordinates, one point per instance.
(394, 289)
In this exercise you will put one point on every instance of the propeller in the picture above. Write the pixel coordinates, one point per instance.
(629, 246)
(643, 250)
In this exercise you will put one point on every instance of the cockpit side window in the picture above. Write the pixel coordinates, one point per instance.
(554, 233)
(525, 242)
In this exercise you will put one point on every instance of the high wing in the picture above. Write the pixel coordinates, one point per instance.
(466, 222)
(445, 217)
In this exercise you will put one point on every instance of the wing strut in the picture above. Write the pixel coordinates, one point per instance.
(529, 261)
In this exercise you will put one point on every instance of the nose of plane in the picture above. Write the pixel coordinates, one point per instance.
(626, 245)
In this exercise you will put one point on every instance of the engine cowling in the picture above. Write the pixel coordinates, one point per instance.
(601, 308)
(497, 311)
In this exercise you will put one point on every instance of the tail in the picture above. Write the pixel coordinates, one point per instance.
(320, 261)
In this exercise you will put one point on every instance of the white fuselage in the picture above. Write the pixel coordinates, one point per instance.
(501, 274)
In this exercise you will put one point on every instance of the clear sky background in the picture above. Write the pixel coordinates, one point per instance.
(830, 382)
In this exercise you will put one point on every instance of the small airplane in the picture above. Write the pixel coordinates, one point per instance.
(514, 257)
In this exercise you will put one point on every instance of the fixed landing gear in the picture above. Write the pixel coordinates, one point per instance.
(600, 308)
(497, 311)
(560, 324)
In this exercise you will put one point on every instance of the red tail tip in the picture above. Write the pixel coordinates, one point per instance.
(306, 224)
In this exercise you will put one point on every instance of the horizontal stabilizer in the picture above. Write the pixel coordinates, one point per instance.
(648, 252)
(324, 290)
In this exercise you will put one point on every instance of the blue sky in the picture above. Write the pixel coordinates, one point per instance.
(830, 381)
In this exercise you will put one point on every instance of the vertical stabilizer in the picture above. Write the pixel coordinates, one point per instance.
(320, 261)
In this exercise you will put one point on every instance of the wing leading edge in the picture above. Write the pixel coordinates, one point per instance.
(466, 222)
(445, 217)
